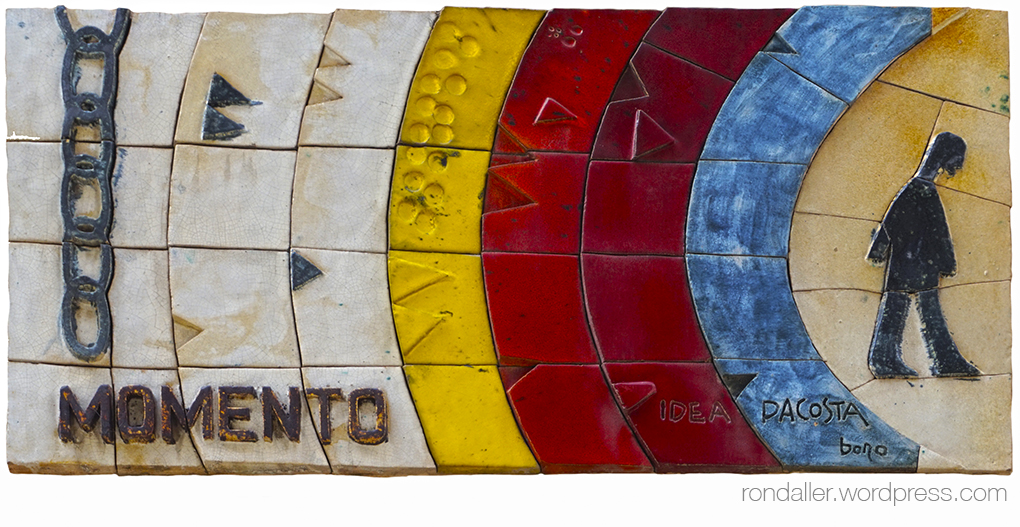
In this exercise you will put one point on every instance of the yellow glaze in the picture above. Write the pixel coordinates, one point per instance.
(467, 420)
(985, 171)
(439, 308)
(436, 203)
(464, 74)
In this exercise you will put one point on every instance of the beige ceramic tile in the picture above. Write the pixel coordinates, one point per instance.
(34, 174)
(157, 456)
(978, 316)
(343, 316)
(985, 171)
(231, 197)
(943, 16)
(404, 450)
(840, 324)
(871, 152)
(363, 76)
(929, 462)
(268, 58)
(35, 55)
(967, 61)
(33, 417)
(36, 286)
(232, 308)
(152, 67)
(828, 252)
(340, 198)
(140, 306)
(261, 456)
(981, 238)
(965, 421)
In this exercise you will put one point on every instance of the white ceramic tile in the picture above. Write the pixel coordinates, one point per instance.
(360, 87)
(344, 316)
(230, 197)
(33, 417)
(232, 308)
(35, 172)
(281, 455)
(35, 55)
(268, 58)
(141, 182)
(403, 452)
(340, 198)
(140, 305)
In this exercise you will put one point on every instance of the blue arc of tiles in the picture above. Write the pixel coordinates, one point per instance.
(738, 228)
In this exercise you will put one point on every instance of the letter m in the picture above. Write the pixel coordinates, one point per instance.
(99, 409)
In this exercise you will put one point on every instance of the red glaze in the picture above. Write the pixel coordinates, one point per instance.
(566, 76)
(536, 310)
(671, 122)
(534, 205)
(636, 208)
(572, 422)
(722, 40)
(641, 308)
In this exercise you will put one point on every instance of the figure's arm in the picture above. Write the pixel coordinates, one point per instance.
(879, 250)
(946, 255)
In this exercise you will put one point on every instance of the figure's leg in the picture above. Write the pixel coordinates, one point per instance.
(886, 356)
(946, 358)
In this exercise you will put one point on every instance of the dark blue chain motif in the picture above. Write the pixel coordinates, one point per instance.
(83, 171)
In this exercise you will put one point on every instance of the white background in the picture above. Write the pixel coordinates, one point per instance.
(624, 500)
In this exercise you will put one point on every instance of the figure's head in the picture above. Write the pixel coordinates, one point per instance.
(946, 153)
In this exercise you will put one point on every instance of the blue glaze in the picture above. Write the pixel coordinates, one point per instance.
(823, 421)
(843, 48)
(746, 308)
(772, 115)
(742, 208)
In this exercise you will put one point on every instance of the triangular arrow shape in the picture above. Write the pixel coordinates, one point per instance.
(737, 382)
(648, 136)
(217, 127)
(414, 278)
(418, 324)
(184, 331)
(331, 58)
(552, 111)
(301, 271)
(629, 87)
(506, 143)
(221, 94)
(500, 194)
(634, 394)
(779, 45)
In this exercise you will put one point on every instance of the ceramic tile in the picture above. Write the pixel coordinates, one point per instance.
(984, 335)
(636, 208)
(439, 308)
(34, 173)
(943, 16)
(662, 112)
(467, 420)
(35, 53)
(247, 450)
(722, 40)
(232, 308)
(794, 113)
(343, 317)
(536, 308)
(841, 324)
(340, 198)
(985, 171)
(36, 286)
(746, 309)
(152, 67)
(742, 208)
(966, 62)
(829, 252)
(980, 230)
(572, 422)
(143, 335)
(641, 308)
(367, 64)
(871, 152)
(464, 73)
(559, 94)
(436, 203)
(403, 449)
(148, 452)
(33, 419)
(535, 205)
(688, 421)
(842, 48)
(269, 59)
(793, 403)
(231, 198)
(964, 421)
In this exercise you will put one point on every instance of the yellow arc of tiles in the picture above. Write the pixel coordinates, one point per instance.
(464, 74)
